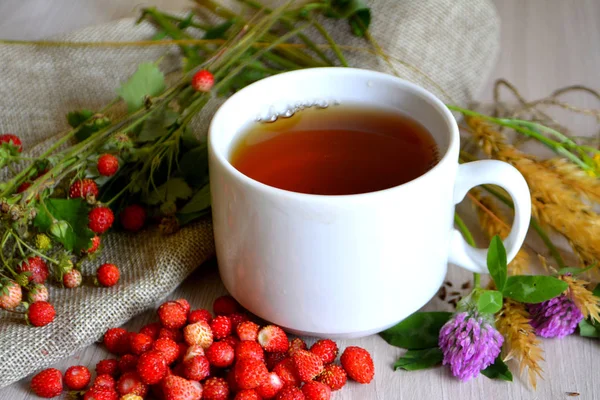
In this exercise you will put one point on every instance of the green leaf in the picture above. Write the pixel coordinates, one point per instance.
(596, 291)
(574, 270)
(489, 301)
(498, 370)
(533, 288)
(356, 12)
(187, 218)
(219, 31)
(157, 125)
(76, 118)
(173, 189)
(419, 331)
(589, 329)
(414, 360)
(194, 165)
(74, 212)
(199, 202)
(496, 262)
(148, 80)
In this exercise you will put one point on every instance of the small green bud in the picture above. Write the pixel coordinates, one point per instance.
(23, 278)
(168, 208)
(59, 229)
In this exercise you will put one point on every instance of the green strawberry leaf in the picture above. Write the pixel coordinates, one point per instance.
(194, 165)
(147, 81)
(489, 301)
(496, 262)
(498, 370)
(170, 191)
(533, 288)
(157, 125)
(72, 219)
(414, 360)
(574, 270)
(199, 201)
(419, 331)
(356, 12)
(76, 118)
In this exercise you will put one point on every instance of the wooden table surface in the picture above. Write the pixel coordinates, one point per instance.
(546, 44)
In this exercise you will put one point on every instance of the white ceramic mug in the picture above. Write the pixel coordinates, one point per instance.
(345, 266)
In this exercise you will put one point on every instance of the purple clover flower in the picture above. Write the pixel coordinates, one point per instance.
(555, 318)
(470, 343)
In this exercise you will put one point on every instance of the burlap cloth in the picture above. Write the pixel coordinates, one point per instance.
(455, 42)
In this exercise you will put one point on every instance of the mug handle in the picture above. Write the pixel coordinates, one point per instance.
(509, 178)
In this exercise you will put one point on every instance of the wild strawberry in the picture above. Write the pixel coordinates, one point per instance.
(109, 366)
(203, 81)
(250, 372)
(77, 377)
(358, 364)
(249, 349)
(307, 364)
(130, 383)
(172, 315)
(127, 363)
(140, 343)
(151, 330)
(23, 187)
(38, 292)
(133, 217)
(105, 381)
(108, 275)
(40, 313)
(236, 319)
(296, 344)
(273, 339)
(116, 340)
(185, 304)
(175, 335)
(199, 315)
(94, 246)
(13, 141)
(11, 295)
(100, 393)
(221, 326)
(286, 370)
(152, 367)
(131, 396)
(248, 394)
(215, 389)
(100, 219)
(272, 359)
(326, 349)
(48, 383)
(169, 349)
(314, 390)
(37, 267)
(72, 279)
(333, 376)
(232, 340)
(226, 305)
(290, 393)
(193, 351)
(196, 368)
(198, 333)
(220, 354)
(247, 330)
(107, 165)
(270, 387)
(178, 388)
(83, 188)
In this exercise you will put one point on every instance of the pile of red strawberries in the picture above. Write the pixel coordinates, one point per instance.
(190, 355)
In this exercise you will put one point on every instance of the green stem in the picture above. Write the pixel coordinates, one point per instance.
(332, 42)
(191, 23)
(7, 235)
(557, 147)
(476, 280)
(34, 251)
